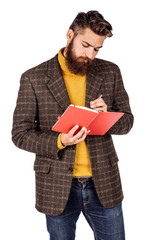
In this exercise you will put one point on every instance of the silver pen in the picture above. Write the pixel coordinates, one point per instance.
(100, 97)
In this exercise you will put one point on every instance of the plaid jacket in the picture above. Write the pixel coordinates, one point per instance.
(41, 99)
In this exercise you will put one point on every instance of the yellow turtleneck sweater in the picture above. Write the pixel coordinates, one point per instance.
(76, 88)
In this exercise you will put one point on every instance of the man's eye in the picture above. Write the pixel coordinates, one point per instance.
(85, 46)
(96, 50)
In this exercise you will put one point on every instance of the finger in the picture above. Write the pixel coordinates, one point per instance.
(80, 133)
(84, 134)
(80, 136)
(81, 139)
(97, 100)
(100, 108)
(97, 103)
(97, 107)
(73, 130)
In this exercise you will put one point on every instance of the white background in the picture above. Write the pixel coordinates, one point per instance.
(33, 31)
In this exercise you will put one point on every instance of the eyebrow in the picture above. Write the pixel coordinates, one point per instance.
(91, 45)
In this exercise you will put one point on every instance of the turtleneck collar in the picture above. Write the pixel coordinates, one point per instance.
(62, 62)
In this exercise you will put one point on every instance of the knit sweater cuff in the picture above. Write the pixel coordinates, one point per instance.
(60, 146)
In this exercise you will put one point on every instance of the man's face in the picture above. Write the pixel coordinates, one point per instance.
(81, 50)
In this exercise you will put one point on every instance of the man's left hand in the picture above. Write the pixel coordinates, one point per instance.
(98, 105)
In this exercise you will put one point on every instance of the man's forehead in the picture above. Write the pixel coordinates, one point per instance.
(91, 38)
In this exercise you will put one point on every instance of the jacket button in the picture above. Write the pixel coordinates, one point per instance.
(70, 169)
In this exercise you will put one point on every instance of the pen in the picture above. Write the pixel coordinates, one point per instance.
(100, 97)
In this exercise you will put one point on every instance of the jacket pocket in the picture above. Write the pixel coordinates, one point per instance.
(113, 160)
(42, 166)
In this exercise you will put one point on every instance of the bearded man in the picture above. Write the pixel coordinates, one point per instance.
(75, 172)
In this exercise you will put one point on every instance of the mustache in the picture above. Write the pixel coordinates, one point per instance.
(85, 60)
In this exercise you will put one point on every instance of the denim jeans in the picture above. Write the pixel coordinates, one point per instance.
(106, 223)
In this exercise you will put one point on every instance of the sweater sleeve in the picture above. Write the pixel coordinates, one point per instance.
(60, 146)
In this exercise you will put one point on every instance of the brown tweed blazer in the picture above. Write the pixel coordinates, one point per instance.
(41, 99)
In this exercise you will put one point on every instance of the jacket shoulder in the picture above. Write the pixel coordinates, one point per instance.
(40, 69)
(106, 65)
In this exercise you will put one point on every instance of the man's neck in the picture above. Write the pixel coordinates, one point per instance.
(64, 52)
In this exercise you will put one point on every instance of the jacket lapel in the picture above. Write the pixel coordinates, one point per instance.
(56, 83)
(93, 83)
(58, 89)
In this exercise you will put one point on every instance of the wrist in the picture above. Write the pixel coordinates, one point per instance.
(59, 143)
(61, 139)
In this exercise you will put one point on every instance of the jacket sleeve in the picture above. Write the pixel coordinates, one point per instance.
(25, 132)
(121, 104)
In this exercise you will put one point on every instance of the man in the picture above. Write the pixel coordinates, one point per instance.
(74, 172)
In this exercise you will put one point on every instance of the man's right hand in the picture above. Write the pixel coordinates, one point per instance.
(71, 138)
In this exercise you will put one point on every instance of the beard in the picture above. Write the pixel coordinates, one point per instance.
(77, 65)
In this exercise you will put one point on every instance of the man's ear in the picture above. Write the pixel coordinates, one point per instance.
(70, 35)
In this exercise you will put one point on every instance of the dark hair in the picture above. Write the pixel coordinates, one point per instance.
(93, 20)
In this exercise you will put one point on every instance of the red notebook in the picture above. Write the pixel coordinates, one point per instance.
(97, 122)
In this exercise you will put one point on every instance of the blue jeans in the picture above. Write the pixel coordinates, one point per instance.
(106, 223)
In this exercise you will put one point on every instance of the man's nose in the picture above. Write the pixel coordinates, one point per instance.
(89, 53)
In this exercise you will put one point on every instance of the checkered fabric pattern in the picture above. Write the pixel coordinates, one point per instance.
(41, 99)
